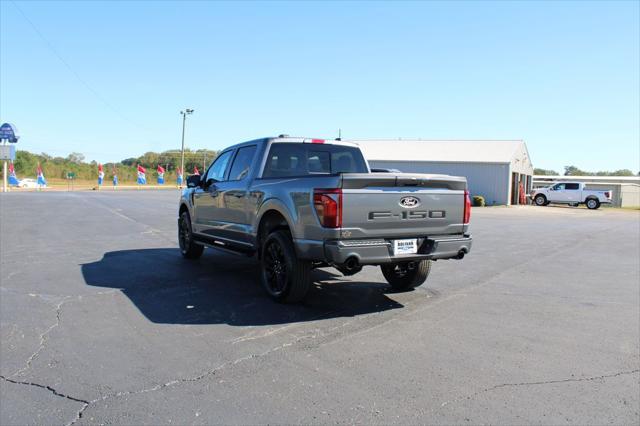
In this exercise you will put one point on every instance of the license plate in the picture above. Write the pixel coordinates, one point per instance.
(405, 247)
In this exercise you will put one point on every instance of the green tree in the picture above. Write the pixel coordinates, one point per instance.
(574, 171)
(545, 172)
(129, 161)
(621, 172)
(75, 157)
(58, 167)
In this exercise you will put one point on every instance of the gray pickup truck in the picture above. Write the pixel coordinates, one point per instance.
(302, 203)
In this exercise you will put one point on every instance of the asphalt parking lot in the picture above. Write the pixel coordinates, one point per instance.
(102, 321)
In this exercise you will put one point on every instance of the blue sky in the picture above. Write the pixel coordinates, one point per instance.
(108, 79)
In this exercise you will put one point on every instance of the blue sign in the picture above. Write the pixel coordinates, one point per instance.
(9, 132)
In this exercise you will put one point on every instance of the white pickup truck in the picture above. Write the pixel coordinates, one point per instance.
(572, 193)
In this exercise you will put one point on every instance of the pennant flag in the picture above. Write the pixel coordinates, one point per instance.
(160, 170)
(115, 176)
(41, 180)
(100, 174)
(179, 176)
(195, 170)
(142, 177)
(13, 179)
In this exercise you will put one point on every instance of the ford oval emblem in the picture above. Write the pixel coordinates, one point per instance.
(409, 202)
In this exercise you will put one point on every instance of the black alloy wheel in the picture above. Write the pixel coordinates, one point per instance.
(189, 248)
(275, 266)
(285, 277)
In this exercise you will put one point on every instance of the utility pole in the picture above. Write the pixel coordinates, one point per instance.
(4, 176)
(184, 113)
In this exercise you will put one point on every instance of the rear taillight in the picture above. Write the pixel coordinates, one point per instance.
(328, 205)
(607, 194)
(467, 208)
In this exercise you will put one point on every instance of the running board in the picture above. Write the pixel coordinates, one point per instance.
(226, 246)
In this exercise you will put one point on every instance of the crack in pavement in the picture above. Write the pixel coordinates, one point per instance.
(43, 338)
(549, 382)
(274, 330)
(544, 382)
(188, 379)
(309, 336)
(53, 391)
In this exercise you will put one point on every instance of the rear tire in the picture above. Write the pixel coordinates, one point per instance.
(592, 204)
(406, 275)
(188, 247)
(286, 278)
(540, 200)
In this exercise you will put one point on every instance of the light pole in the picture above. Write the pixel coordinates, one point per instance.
(184, 113)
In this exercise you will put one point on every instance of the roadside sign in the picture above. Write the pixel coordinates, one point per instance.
(7, 152)
(9, 132)
(70, 178)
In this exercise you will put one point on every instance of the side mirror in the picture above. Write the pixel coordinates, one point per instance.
(193, 181)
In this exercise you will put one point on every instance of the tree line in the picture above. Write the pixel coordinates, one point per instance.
(26, 164)
(575, 171)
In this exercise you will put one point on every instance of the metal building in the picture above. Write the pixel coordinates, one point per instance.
(494, 169)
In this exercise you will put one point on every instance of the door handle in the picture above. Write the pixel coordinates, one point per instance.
(237, 194)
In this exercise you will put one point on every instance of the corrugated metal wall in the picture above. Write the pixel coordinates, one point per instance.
(489, 180)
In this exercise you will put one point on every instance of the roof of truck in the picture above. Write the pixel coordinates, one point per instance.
(296, 139)
(290, 139)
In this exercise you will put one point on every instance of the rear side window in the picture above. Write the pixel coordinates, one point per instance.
(242, 163)
(573, 186)
(298, 159)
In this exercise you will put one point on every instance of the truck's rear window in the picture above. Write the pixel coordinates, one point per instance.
(301, 159)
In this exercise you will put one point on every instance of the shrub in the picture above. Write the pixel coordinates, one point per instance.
(478, 201)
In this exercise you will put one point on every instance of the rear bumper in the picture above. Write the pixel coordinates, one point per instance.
(378, 251)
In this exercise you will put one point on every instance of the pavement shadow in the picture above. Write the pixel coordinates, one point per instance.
(222, 288)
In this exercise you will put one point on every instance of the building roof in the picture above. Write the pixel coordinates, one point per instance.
(626, 179)
(466, 151)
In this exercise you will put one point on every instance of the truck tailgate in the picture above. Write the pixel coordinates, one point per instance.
(396, 205)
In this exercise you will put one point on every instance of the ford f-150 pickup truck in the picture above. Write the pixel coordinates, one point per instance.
(300, 203)
(572, 193)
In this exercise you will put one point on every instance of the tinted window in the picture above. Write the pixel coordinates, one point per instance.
(572, 186)
(298, 159)
(319, 162)
(242, 163)
(217, 169)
